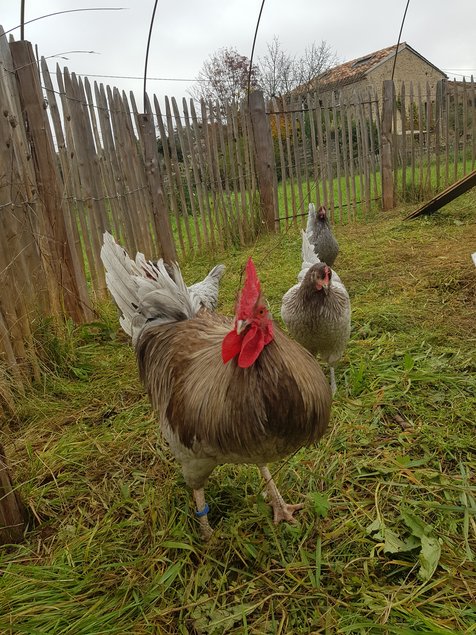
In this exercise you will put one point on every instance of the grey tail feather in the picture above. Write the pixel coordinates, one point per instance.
(217, 272)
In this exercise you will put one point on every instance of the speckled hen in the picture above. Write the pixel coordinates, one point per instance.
(316, 310)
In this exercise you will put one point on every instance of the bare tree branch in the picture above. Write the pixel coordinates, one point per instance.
(224, 78)
(280, 73)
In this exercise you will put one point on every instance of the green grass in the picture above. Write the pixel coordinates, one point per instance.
(387, 540)
(293, 200)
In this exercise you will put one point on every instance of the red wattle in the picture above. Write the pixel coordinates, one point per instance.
(251, 347)
(230, 346)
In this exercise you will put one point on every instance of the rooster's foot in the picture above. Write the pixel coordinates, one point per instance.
(282, 511)
(333, 382)
(285, 512)
(206, 531)
(202, 514)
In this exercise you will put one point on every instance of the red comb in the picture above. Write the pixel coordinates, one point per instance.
(250, 292)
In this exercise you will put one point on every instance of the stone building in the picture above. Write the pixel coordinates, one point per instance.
(369, 72)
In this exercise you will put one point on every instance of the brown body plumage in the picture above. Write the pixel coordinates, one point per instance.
(224, 413)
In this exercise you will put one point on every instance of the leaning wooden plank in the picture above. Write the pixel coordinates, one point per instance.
(312, 100)
(221, 151)
(287, 136)
(88, 166)
(448, 195)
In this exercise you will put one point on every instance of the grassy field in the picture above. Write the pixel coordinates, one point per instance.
(387, 540)
(293, 200)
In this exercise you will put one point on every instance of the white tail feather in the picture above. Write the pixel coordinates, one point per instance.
(311, 220)
(308, 256)
(144, 291)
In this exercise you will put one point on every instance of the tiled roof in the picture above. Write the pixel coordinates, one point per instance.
(355, 70)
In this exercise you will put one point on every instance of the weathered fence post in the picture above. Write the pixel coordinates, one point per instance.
(388, 193)
(61, 259)
(13, 515)
(265, 165)
(159, 208)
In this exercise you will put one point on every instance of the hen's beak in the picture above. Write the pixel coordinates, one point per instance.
(241, 325)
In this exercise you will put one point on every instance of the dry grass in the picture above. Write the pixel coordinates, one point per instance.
(387, 541)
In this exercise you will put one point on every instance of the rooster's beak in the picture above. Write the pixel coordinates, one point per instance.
(241, 325)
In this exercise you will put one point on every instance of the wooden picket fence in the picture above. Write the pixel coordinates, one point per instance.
(327, 151)
(78, 158)
(330, 149)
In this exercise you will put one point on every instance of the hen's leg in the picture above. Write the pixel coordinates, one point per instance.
(282, 511)
(202, 513)
(333, 381)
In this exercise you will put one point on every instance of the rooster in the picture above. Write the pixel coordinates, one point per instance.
(225, 390)
(316, 310)
(319, 233)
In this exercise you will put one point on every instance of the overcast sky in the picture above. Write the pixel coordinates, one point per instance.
(186, 32)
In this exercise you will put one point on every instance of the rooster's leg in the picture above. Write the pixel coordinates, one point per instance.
(202, 513)
(282, 511)
(333, 381)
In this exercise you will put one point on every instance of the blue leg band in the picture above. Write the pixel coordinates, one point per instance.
(204, 511)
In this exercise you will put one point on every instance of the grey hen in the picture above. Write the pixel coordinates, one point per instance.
(319, 233)
(316, 311)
